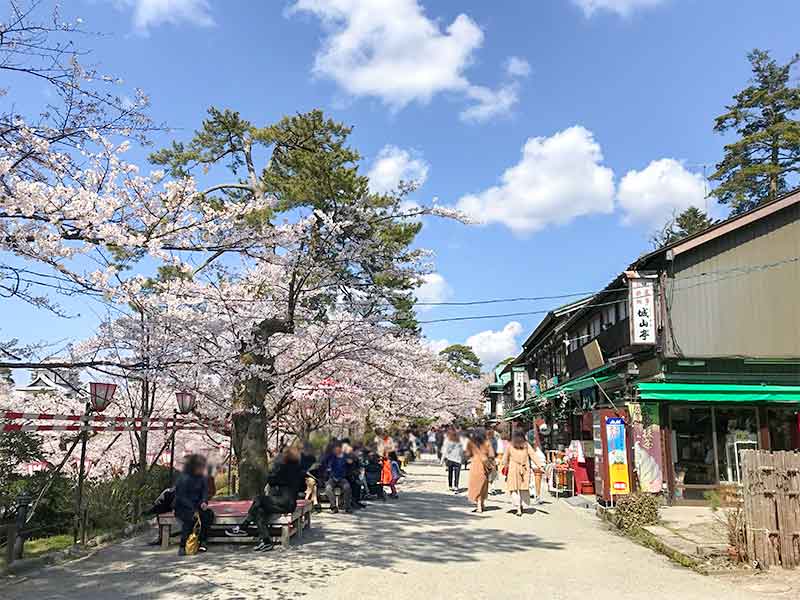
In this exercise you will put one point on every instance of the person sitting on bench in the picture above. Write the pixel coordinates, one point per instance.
(310, 466)
(286, 480)
(336, 465)
(191, 496)
(372, 475)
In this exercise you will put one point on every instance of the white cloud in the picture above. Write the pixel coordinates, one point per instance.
(147, 13)
(558, 178)
(651, 195)
(437, 345)
(394, 165)
(433, 289)
(490, 103)
(623, 8)
(493, 346)
(517, 67)
(392, 51)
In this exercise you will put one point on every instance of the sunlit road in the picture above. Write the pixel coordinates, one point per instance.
(426, 545)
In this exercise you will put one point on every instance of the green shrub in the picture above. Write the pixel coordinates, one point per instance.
(636, 510)
(112, 503)
(116, 502)
(56, 509)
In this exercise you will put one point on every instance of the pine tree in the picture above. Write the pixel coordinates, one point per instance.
(756, 166)
(689, 222)
(462, 361)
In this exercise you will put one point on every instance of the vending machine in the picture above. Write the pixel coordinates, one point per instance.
(612, 476)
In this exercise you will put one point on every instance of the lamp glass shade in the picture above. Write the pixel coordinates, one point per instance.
(185, 402)
(101, 394)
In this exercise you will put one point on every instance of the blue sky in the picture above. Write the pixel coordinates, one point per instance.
(571, 127)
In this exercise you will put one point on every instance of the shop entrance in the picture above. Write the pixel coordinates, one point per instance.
(706, 445)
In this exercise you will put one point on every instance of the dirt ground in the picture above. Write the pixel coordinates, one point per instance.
(426, 545)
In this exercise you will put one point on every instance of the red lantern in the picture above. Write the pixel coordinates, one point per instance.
(185, 402)
(101, 395)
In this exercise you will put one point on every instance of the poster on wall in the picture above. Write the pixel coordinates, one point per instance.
(647, 458)
(617, 456)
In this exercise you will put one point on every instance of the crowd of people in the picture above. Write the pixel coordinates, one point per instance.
(347, 475)
(518, 458)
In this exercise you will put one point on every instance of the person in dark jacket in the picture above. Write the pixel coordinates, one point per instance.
(337, 466)
(372, 474)
(310, 466)
(354, 477)
(286, 480)
(164, 503)
(191, 496)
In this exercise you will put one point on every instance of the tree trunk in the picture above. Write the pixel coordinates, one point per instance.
(773, 177)
(250, 446)
(249, 413)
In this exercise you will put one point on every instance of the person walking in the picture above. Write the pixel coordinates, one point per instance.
(517, 469)
(481, 456)
(452, 457)
(463, 437)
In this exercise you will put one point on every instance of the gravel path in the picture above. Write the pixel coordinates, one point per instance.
(424, 545)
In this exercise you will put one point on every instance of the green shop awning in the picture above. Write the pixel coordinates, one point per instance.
(576, 385)
(716, 392)
(514, 413)
(583, 383)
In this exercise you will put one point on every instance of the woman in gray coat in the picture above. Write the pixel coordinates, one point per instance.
(452, 457)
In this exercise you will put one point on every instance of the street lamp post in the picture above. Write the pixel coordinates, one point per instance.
(329, 384)
(100, 395)
(186, 403)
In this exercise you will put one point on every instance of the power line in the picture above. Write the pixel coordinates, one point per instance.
(740, 271)
(507, 315)
(519, 299)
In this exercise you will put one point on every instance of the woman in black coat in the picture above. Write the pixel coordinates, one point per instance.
(191, 496)
(285, 481)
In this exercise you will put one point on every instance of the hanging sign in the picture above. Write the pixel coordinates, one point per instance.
(520, 385)
(617, 456)
(642, 309)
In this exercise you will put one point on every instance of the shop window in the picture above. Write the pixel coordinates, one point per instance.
(594, 327)
(609, 316)
(737, 430)
(692, 446)
(784, 428)
(622, 310)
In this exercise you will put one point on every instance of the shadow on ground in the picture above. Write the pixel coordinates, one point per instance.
(421, 526)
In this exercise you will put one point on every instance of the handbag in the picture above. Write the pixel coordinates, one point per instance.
(193, 541)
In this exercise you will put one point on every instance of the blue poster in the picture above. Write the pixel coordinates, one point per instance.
(617, 456)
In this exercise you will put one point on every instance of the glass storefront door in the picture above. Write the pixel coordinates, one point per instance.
(692, 450)
(737, 430)
(706, 446)
(784, 428)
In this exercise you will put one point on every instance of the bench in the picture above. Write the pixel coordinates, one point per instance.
(228, 513)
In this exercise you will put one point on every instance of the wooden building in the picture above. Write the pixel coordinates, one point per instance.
(715, 361)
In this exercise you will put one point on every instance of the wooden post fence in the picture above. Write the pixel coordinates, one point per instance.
(771, 492)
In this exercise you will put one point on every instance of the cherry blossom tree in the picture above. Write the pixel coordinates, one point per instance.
(283, 269)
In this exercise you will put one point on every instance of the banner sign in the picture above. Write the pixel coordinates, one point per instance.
(642, 303)
(520, 385)
(617, 456)
(647, 459)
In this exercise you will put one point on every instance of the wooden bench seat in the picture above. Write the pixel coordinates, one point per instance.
(228, 513)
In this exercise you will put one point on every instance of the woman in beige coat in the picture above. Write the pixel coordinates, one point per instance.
(482, 464)
(517, 469)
